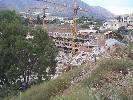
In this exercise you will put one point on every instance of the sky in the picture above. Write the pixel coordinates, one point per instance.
(117, 7)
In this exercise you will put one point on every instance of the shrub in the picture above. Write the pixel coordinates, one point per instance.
(61, 89)
(77, 93)
(106, 66)
(85, 90)
(110, 93)
(53, 87)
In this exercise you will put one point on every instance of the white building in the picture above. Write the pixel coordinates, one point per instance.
(114, 24)
(88, 31)
(68, 21)
(127, 19)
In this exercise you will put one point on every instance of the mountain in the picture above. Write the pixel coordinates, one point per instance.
(23, 5)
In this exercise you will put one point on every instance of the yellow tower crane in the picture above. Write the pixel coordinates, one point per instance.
(74, 27)
(75, 7)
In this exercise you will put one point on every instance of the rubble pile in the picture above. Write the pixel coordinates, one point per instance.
(66, 61)
(88, 56)
(112, 42)
(63, 63)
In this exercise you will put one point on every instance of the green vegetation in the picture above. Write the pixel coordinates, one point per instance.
(85, 22)
(21, 58)
(95, 86)
(109, 65)
(53, 87)
(124, 31)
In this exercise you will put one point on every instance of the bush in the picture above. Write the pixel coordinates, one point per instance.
(86, 91)
(60, 89)
(106, 66)
(53, 87)
(77, 93)
(110, 93)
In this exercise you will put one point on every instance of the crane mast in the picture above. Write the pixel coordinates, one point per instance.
(74, 26)
(75, 9)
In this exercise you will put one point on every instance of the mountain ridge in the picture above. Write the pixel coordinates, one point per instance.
(23, 5)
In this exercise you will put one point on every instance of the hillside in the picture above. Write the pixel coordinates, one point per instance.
(105, 81)
(23, 5)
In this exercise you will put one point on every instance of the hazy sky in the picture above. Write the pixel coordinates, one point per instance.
(115, 6)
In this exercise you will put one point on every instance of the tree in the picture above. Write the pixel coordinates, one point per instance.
(122, 30)
(56, 21)
(45, 52)
(38, 19)
(119, 18)
(11, 29)
(23, 59)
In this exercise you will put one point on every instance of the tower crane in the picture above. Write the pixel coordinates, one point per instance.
(44, 12)
(75, 7)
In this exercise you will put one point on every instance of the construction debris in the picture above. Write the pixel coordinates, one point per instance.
(112, 42)
(66, 61)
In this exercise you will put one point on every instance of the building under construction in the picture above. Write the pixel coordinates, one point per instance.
(84, 40)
